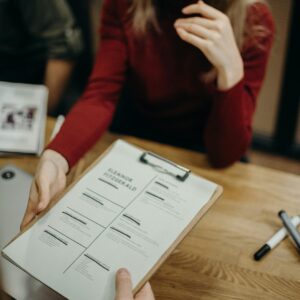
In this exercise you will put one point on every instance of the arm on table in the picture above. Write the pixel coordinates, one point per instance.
(92, 114)
(229, 128)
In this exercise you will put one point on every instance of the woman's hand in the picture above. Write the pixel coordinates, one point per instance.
(212, 33)
(49, 180)
(124, 288)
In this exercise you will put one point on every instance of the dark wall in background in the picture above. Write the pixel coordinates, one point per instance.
(288, 111)
(284, 139)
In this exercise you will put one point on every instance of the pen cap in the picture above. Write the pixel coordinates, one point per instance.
(262, 252)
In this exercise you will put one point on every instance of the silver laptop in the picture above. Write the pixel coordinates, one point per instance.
(14, 191)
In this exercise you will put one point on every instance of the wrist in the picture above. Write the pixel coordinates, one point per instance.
(229, 76)
(57, 159)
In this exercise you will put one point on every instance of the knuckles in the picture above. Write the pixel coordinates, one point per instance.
(183, 35)
(191, 27)
(219, 25)
(216, 36)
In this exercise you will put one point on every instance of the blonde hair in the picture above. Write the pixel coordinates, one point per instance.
(144, 16)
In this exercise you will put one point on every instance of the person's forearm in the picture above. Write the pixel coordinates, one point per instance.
(229, 75)
(57, 75)
(228, 131)
(57, 158)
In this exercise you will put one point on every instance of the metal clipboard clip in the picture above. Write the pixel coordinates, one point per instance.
(165, 166)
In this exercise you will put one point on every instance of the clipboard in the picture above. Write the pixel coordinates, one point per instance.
(165, 166)
(161, 165)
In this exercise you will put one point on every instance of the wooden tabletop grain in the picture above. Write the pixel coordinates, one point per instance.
(215, 260)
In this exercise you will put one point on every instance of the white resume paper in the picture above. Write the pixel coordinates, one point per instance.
(122, 213)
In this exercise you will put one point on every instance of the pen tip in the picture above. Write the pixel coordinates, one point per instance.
(262, 252)
(281, 212)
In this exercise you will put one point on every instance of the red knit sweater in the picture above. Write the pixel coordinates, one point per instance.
(160, 77)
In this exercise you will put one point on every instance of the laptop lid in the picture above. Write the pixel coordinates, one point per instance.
(14, 190)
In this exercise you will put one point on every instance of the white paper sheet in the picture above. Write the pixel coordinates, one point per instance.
(122, 213)
(22, 117)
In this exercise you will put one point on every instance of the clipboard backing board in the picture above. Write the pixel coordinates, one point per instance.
(175, 242)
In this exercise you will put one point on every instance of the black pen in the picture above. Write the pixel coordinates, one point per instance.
(275, 240)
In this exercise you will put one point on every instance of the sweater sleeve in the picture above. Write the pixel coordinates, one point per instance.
(228, 132)
(92, 114)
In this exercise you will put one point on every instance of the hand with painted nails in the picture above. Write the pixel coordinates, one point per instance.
(211, 32)
(124, 288)
(49, 180)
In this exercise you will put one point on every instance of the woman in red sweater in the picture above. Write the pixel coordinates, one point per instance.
(189, 79)
(181, 72)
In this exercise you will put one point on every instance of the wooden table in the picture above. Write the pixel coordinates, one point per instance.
(215, 260)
